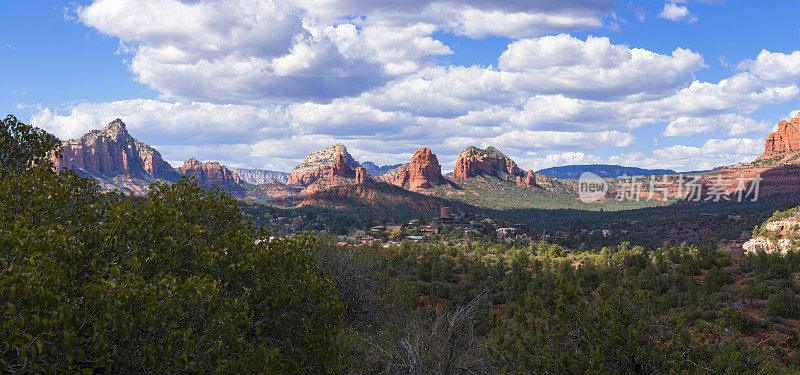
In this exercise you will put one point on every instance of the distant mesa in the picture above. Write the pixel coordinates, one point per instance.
(376, 171)
(573, 172)
(261, 176)
(786, 139)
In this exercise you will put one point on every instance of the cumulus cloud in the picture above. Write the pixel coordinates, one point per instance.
(274, 80)
(732, 124)
(253, 51)
(677, 13)
(594, 67)
(774, 66)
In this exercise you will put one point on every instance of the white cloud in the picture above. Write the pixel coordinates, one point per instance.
(254, 51)
(595, 67)
(731, 124)
(274, 80)
(773, 66)
(677, 13)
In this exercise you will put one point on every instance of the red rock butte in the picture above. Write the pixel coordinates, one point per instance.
(787, 138)
(423, 172)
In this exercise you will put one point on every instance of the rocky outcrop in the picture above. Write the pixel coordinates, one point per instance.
(423, 172)
(261, 176)
(120, 162)
(473, 162)
(362, 177)
(398, 176)
(211, 174)
(787, 138)
(318, 165)
(339, 168)
(111, 152)
(529, 180)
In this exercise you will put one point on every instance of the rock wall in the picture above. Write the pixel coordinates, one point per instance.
(787, 138)
(211, 173)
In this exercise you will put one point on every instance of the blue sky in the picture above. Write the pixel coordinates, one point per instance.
(681, 85)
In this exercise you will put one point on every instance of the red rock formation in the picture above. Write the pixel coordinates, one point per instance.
(398, 176)
(424, 170)
(787, 138)
(474, 161)
(422, 173)
(362, 176)
(113, 152)
(317, 165)
(529, 179)
(339, 168)
(211, 173)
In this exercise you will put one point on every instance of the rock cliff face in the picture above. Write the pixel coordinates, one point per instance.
(111, 152)
(339, 168)
(474, 162)
(211, 173)
(362, 177)
(422, 173)
(787, 138)
(318, 165)
(398, 176)
(120, 162)
(261, 176)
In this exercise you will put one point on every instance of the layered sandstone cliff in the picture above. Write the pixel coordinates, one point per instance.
(787, 138)
(111, 152)
(117, 161)
(473, 162)
(211, 173)
(423, 172)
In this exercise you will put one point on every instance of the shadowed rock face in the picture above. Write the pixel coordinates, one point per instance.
(211, 173)
(422, 173)
(339, 168)
(111, 152)
(318, 165)
(787, 138)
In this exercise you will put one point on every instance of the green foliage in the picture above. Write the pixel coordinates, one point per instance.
(22, 146)
(174, 282)
(784, 303)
